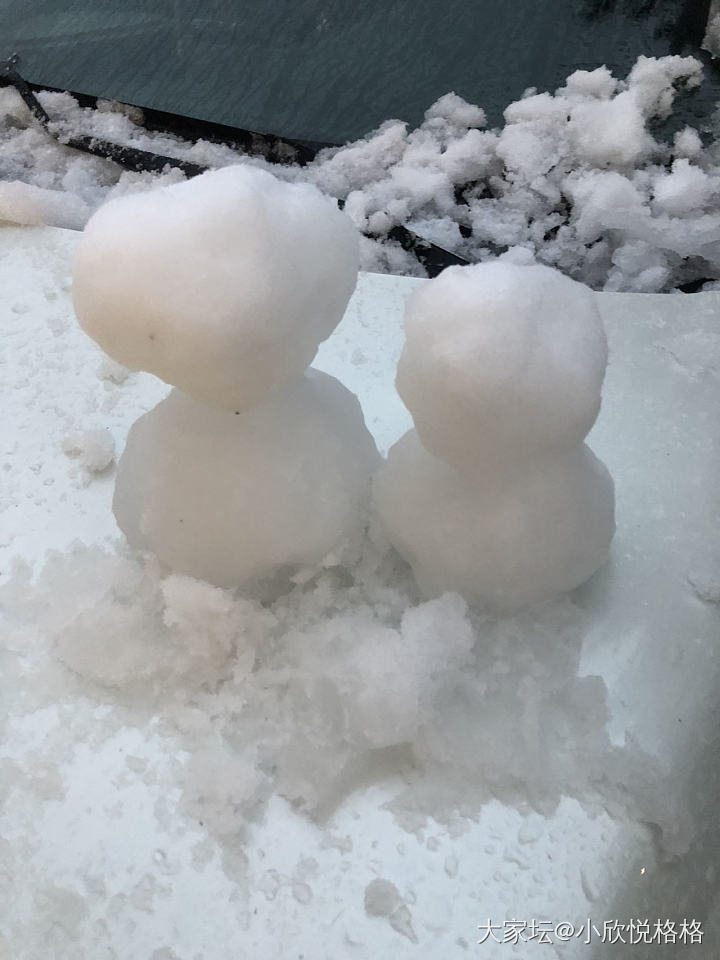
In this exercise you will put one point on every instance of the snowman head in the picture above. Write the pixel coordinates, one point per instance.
(501, 362)
(223, 286)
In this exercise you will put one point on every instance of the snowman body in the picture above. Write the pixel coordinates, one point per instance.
(253, 467)
(495, 494)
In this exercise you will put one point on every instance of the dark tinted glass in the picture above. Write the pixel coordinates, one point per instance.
(330, 70)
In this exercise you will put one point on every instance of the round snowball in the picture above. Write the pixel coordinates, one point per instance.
(223, 285)
(501, 361)
(502, 543)
(247, 499)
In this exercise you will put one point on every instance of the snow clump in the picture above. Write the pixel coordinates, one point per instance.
(95, 449)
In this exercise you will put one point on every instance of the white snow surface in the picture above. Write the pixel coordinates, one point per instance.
(188, 771)
(575, 178)
(223, 286)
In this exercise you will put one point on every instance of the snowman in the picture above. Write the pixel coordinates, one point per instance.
(254, 467)
(494, 494)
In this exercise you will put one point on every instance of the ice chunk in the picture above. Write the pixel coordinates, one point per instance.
(502, 541)
(501, 361)
(223, 286)
(241, 498)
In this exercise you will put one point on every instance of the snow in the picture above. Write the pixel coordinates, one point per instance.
(502, 541)
(494, 494)
(95, 449)
(539, 184)
(684, 191)
(244, 498)
(223, 286)
(254, 473)
(501, 362)
(25, 203)
(176, 755)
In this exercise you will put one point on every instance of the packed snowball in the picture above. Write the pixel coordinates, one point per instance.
(494, 494)
(248, 499)
(501, 362)
(223, 286)
(582, 179)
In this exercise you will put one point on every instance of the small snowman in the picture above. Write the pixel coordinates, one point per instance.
(224, 286)
(495, 495)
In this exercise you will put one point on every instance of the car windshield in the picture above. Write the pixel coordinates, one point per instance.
(332, 70)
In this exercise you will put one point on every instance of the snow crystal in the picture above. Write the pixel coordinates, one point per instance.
(240, 498)
(223, 286)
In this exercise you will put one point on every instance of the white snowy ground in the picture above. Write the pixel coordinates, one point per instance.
(349, 772)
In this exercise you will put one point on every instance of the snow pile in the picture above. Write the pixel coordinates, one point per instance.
(223, 286)
(342, 681)
(495, 494)
(576, 179)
